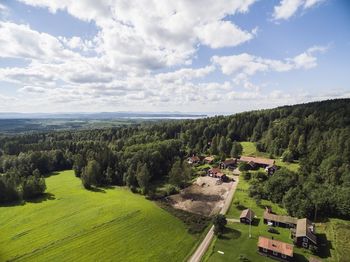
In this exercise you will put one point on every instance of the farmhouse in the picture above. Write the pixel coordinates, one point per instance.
(209, 159)
(275, 249)
(193, 160)
(304, 234)
(229, 163)
(257, 161)
(216, 172)
(247, 216)
(278, 220)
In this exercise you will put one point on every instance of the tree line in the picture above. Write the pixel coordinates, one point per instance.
(315, 134)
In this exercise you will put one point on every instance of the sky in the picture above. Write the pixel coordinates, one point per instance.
(212, 56)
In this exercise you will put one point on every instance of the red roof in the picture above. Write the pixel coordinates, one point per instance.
(194, 158)
(214, 170)
(276, 246)
(220, 174)
(209, 159)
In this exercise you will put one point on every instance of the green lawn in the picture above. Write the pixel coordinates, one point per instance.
(249, 149)
(236, 241)
(73, 224)
(336, 236)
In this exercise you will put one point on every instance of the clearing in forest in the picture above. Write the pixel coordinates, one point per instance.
(73, 224)
(205, 197)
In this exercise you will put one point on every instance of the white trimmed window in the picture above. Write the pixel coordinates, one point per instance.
(305, 240)
(264, 250)
(275, 253)
(284, 256)
(304, 244)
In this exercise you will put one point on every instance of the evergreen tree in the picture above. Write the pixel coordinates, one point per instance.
(143, 177)
(236, 149)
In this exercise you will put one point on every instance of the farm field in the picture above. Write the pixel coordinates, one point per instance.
(249, 149)
(73, 224)
(236, 242)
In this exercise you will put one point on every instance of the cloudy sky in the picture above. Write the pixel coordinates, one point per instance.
(164, 55)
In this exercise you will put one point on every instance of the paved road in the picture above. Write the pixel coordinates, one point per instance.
(202, 248)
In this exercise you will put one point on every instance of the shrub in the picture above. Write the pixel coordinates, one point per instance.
(247, 176)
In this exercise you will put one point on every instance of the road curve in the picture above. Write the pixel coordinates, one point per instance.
(202, 248)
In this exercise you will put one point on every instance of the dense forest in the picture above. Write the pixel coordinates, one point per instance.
(140, 156)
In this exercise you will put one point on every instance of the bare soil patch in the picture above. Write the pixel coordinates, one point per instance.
(205, 197)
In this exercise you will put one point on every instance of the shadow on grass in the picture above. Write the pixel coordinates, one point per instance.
(324, 246)
(42, 198)
(38, 199)
(108, 187)
(230, 233)
(300, 258)
(55, 173)
(241, 207)
(96, 189)
(13, 203)
(256, 222)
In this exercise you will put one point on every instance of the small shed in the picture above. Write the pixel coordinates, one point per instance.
(247, 216)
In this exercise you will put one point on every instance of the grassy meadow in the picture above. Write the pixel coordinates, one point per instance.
(73, 224)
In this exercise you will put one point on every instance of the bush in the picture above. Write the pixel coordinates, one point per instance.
(219, 224)
(171, 190)
(247, 176)
(244, 166)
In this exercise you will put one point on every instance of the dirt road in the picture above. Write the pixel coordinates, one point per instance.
(202, 248)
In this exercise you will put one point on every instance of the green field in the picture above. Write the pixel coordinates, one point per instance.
(249, 149)
(236, 241)
(73, 224)
(336, 233)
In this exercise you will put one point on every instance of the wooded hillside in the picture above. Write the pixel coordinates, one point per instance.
(315, 134)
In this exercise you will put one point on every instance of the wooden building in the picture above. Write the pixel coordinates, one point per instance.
(229, 163)
(278, 220)
(275, 249)
(247, 216)
(193, 160)
(304, 234)
(257, 161)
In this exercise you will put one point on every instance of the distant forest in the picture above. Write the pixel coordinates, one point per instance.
(141, 155)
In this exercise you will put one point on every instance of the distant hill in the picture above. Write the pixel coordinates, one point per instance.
(99, 115)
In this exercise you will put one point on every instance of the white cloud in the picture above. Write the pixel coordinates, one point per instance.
(155, 34)
(287, 8)
(120, 67)
(244, 65)
(222, 34)
(19, 41)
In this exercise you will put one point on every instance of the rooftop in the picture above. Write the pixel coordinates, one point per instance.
(279, 218)
(247, 213)
(257, 160)
(304, 227)
(276, 246)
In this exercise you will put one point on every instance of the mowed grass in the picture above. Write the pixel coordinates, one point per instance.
(236, 242)
(74, 224)
(249, 149)
(336, 240)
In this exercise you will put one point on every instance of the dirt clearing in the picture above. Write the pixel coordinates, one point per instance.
(205, 197)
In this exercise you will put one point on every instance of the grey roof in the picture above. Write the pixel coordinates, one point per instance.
(303, 229)
(279, 218)
(247, 213)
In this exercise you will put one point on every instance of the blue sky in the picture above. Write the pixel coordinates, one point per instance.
(191, 56)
